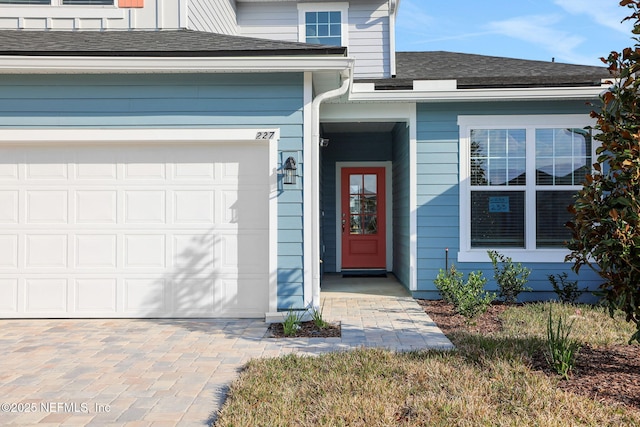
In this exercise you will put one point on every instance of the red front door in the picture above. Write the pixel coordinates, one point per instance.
(363, 218)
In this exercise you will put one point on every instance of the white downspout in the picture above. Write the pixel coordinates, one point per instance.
(393, 13)
(315, 180)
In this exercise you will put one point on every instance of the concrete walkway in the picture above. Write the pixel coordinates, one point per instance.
(176, 372)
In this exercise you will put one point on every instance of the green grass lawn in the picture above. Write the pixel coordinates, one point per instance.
(487, 381)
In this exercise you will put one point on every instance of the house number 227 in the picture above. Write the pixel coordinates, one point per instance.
(265, 135)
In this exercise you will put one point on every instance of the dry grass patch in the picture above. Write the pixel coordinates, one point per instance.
(489, 380)
(372, 387)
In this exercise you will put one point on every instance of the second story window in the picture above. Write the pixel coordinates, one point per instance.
(324, 23)
(323, 28)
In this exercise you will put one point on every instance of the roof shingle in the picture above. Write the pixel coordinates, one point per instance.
(163, 43)
(475, 71)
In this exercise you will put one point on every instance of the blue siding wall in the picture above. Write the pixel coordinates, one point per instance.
(193, 100)
(347, 147)
(438, 195)
(401, 204)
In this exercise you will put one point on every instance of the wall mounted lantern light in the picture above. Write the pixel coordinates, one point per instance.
(290, 171)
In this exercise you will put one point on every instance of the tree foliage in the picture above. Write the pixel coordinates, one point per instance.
(606, 212)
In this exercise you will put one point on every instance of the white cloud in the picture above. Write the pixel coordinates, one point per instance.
(539, 30)
(607, 13)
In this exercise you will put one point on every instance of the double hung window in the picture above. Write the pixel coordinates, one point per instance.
(518, 175)
(323, 23)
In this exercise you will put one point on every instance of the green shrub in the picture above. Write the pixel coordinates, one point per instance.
(448, 282)
(567, 290)
(469, 299)
(511, 278)
(561, 349)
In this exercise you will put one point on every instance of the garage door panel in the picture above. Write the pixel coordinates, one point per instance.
(247, 208)
(46, 251)
(145, 206)
(47, 163)
(194, 296)
(96, 206)
(9, 202)
(194, 253)
(96, 251)
(134, 231)
(193, 206)
(9, 251)
(96, 295)
(9, 295)
(46, 296)
(249, 295)
(96, 163)
(242, 252)
(144, 251)
(47, 207)
(146, 296)
(9, 163)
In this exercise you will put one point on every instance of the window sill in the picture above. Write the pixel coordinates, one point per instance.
(517, 255)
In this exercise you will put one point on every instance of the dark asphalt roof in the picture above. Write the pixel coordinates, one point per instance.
(161, 43)
(476, 71)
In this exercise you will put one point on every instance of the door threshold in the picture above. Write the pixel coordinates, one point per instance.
(364, 272)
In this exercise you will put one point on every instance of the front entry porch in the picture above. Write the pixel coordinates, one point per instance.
(378, 312)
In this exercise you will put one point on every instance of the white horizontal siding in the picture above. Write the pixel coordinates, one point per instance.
(368, 30)
(275, 21)
(218, 16)
(369, 38)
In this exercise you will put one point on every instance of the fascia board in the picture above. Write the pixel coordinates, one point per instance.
(106, 65)
(493, 94)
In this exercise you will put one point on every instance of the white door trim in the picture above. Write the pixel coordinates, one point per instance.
(388, 208)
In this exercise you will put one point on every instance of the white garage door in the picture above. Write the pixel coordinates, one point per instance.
(134, 230)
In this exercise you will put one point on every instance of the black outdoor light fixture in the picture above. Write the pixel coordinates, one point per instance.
(289, 171)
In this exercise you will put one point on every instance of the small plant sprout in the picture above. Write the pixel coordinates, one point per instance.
(317, 317)
(292, 322)
(561, 349)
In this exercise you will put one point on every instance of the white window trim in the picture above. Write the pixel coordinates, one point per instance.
(343, 8)
(530, 122)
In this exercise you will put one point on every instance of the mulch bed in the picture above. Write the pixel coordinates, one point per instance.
(307, 330)
(610, 374)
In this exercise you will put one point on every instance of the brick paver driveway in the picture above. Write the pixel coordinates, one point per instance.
(172, 372)
(116, 372)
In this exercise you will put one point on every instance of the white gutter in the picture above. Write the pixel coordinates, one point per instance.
(487, 94)
(315, 180)
(105, 65)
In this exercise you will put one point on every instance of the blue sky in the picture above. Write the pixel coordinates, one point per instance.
(571, 31)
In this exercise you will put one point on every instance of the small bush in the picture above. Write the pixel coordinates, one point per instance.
(567, 290)
(511, 278)
(561, 349)
(469, 299)
(473, 300)
(448, 282)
